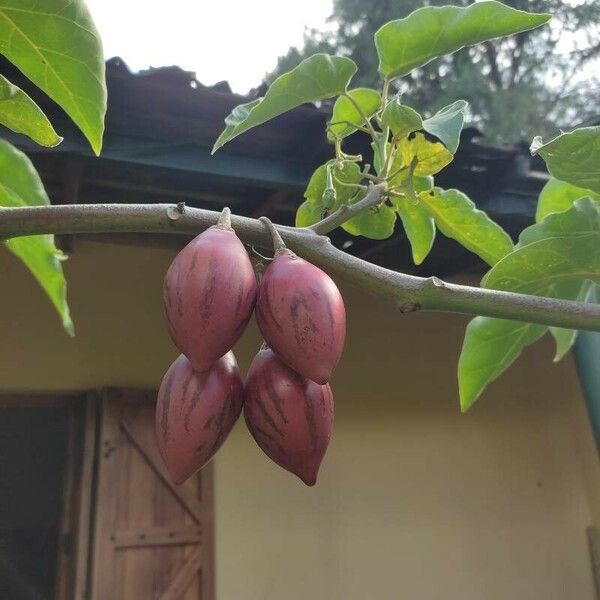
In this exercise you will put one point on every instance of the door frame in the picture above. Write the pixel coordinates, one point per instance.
(74, 523)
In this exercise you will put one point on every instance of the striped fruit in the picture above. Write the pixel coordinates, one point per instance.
(195, 412)
(289, 416)
(301, 314)
(209, 294)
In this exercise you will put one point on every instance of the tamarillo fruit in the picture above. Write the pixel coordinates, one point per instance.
(301, 315)
(195, 412)
(288, 415)
(209, 294)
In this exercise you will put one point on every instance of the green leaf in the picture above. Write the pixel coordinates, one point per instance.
(558, 196)
(565, 338)
(447, 124)
(346, 117)
(20, 185)
(458, 218)
(56, 45)
(318, 77)
(373, 224)
(18, 175)
(21, 114)
(401, 119)
(419, 226)
(430, 32)
(237, 116)
(553, 258)
(581, 218)
(492, 345)
(349, 174)
(308, 214)
(431, 157)
(573, 157)
(560, 249)
(489, 348)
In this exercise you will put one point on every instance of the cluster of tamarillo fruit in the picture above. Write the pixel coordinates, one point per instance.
(210, 293)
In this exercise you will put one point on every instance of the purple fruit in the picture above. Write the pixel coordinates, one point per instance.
(209, 295)
(195, 412)
(289, 416)
(301, 315)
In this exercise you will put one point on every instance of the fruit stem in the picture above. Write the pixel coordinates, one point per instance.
(224, 221)
(278, 244)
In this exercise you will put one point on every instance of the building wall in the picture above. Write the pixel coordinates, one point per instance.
(414, 499)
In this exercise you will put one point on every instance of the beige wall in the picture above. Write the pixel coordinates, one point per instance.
(414, 499)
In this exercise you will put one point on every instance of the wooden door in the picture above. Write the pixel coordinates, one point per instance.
(152, 540)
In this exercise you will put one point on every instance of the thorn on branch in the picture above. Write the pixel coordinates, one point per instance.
(435, 282)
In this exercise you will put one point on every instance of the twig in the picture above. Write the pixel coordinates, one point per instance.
(347, 211)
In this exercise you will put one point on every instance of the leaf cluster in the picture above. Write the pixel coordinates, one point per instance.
(557, 257)
(55, 44)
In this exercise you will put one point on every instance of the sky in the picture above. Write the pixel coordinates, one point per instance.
(234, 40)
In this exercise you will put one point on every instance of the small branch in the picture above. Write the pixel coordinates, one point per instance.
(347, 211)
(406, 292)
(492, 58)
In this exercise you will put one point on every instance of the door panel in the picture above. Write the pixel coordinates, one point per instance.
(152, 539)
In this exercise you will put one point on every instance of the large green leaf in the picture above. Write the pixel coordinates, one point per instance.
(565, 338)
(573, 157)
(458, 218)
(21, 114)
(401, 119)
(582, 217)
(489, 348)
(553, 258)
(447, 124)
(20, 185)
(492, 345)
(557, 260)
(56, 45)
(318, 77)
(430, 32)
(418, 225)
(346, 117)
(558, 196)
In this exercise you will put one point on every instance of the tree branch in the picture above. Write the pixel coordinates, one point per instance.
(346, 211)
(406, 292)
(492, 58)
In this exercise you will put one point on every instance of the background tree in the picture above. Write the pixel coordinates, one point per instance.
(530, 84)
